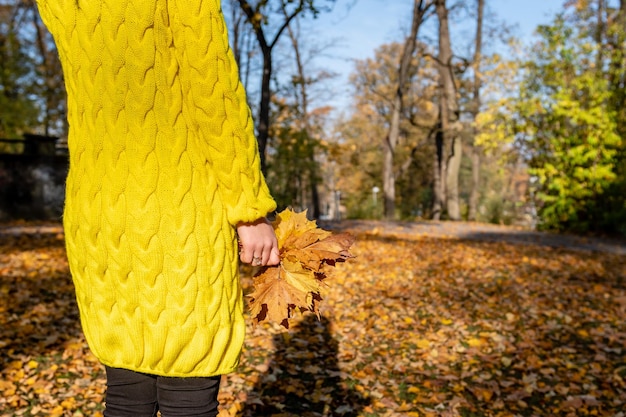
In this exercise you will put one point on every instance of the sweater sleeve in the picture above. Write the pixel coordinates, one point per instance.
(215, 104)
(52, 13)
(47, 15)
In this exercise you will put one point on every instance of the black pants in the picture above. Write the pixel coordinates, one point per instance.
(135, 394)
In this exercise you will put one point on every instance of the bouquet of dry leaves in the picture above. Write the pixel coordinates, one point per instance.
(307, 253)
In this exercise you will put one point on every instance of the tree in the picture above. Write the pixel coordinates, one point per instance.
(568, 127)
(242, 39)
(420, 7)
(356, 155)
(33, 93)
(293, 172)
(376, 81)
(474, 110)
(17, 71)
(613, 202)
(448, 141)
(503, 172)
(50, 83)
(307, 120)
(258, 16)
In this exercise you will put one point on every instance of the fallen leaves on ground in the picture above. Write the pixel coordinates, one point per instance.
(46, 368)
(416, 326)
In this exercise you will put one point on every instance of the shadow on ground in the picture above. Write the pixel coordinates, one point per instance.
(36, 296)
(304, 378)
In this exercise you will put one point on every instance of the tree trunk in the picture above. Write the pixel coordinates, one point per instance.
(263, 124)
(439, 171)
(452, 178)
(474, 198)
(390, 142)
(389, 178)
(306, 125)
(263, 121)
(44, 53)
(476, 150)
(449, 115)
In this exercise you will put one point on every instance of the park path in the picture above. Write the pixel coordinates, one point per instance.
(458, 230)
(481, 232)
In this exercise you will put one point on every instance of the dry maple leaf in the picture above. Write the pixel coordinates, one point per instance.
(272, 291)
(296, 283)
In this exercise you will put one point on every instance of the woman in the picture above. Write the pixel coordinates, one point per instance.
(164, 175)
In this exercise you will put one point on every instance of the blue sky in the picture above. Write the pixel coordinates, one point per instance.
(356, 33)
(370, 23)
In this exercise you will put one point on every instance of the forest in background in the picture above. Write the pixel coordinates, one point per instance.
(438, 127)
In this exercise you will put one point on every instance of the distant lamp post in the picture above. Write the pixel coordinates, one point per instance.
(375, 191)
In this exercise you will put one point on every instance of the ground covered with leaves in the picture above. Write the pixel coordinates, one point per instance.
(413, 326)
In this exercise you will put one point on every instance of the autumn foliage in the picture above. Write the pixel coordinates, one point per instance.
(416, 325)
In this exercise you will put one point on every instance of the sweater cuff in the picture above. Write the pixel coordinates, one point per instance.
(251, 206)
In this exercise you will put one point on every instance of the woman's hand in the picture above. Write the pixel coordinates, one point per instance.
(257, 243)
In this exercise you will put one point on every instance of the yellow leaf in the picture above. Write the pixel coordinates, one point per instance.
(423, 343)
(404, 407)
(475, 342)
(68, 403)
(486, 394)
(74, 346)
(57, 411)
(458, 387)
(583, 333)
(7, 387)
(290, 224)
(300, 278)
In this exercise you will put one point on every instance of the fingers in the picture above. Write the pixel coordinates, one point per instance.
(245, 254)
(257, 260)
(274, 258)
(258, 244)
(250, 255)
(261, 254)
(268, 258)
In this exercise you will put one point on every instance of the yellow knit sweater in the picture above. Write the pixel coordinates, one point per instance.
(163, 164)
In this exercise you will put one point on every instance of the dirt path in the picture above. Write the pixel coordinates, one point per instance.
(481, 231)
(40, 228)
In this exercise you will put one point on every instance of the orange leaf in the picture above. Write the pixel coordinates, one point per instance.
(329, 249)
(274, 298)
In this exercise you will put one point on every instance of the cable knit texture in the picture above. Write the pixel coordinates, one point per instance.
(163, 164)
